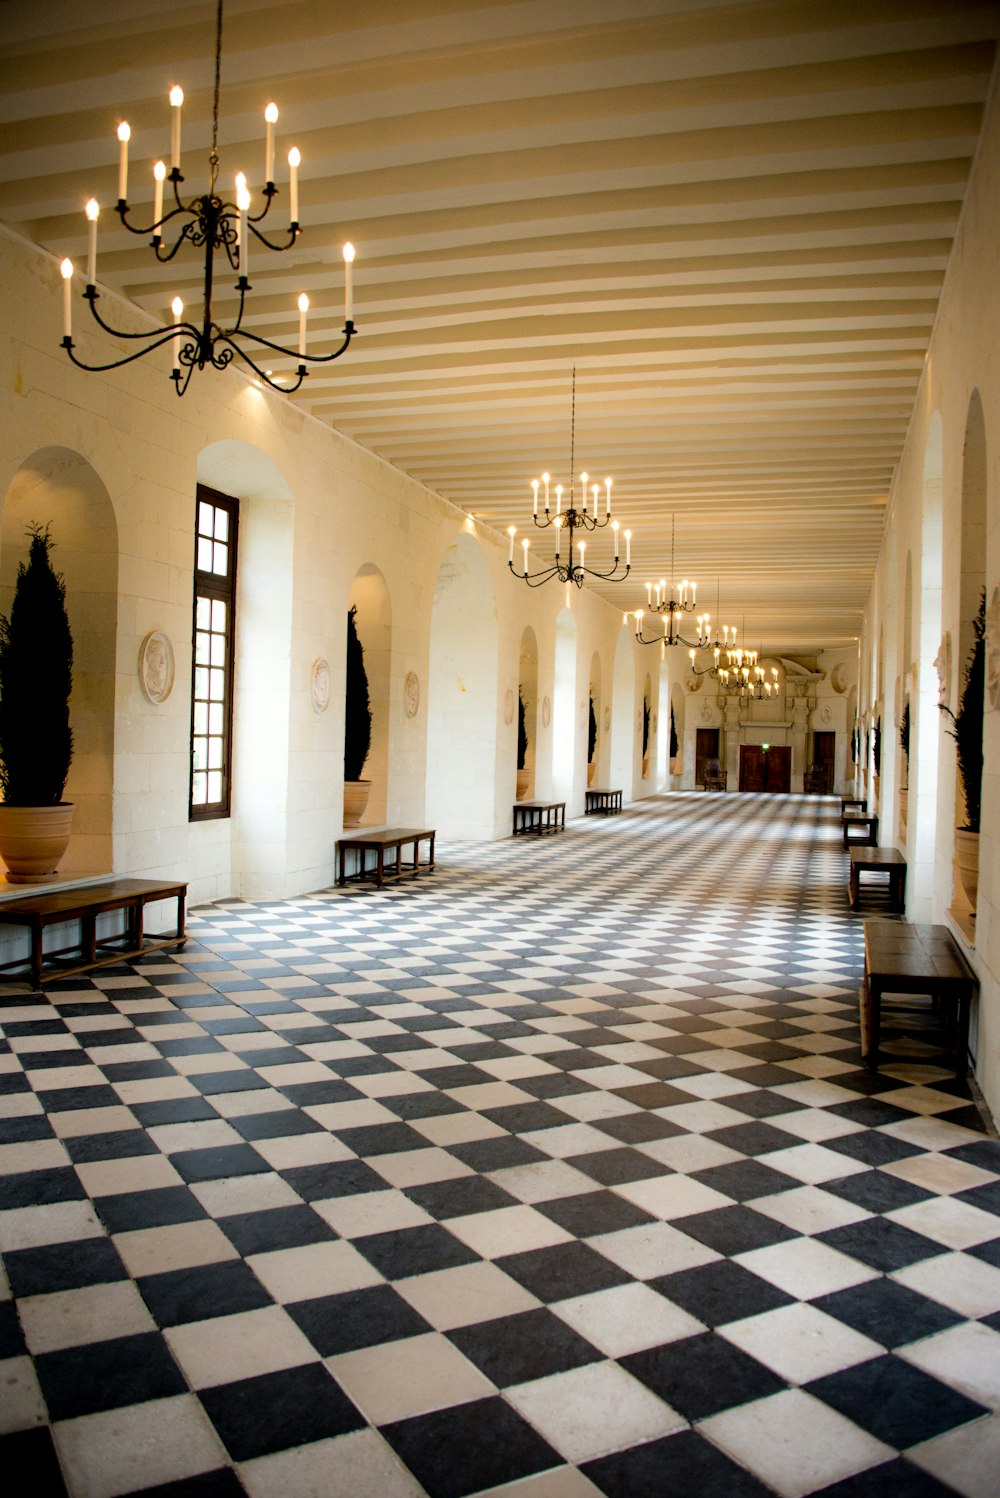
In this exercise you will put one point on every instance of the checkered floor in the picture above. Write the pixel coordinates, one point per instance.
(553, 1173)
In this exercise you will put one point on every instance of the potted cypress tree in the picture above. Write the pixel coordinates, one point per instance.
(904, 790)
(674, 743)
(36, 741)
(591, 743)
(967, 731)
(523, 774)
(645, 738)
(357, 727)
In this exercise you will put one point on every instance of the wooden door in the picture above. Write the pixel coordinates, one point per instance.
(824, 751)
(778, 769)
(753, 768)
(706, 747)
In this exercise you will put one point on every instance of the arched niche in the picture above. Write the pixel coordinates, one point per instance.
(462, 696)
(647, 734)
(56, 486)
(594, 775)
(268, 799)
(564, 735)
(373, 622)
(527, 686)
(625, 741)
(678, 707)
(973, 583)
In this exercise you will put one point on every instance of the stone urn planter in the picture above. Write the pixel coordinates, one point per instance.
(591, 774)
(355, 801)
(523, 784)
(904, 802)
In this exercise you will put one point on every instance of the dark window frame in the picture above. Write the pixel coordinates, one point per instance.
(215, 587)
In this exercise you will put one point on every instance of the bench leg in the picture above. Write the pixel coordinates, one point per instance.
(36, 955)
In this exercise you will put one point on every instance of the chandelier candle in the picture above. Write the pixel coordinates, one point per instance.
(270, 120)
(124, 135)
(93, 213)
(66, 270)
(159, 177)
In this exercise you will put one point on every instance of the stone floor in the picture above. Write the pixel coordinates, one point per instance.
(553, 1173)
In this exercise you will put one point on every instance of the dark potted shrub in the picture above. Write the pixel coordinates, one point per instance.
(523, 774)
(591, 743)
(904, 744)
(674, 743)
(645, 738)
(967, 731)
(36, 741)
(357, 726)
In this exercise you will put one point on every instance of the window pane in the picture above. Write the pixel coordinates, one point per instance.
(218, 650)
(206, 517)
(201, 682)
(202, 648)
(199, 750)
(199, 788)
(213, 653)
(217, 688)
(215, 754)
(215, 718)
(202, 721)
(218, 615)
(215, 785)
(203, 613)
(220, 564)
(221, 525)
(204, 555)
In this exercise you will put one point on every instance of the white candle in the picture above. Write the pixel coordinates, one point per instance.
(511, 533)
(177, 308)
(583, 547)
(558, 524)
(303, 309)
(294, 159)
(67, 274)
(124, 133)
(348, 292)
(607, 485)
(534, 486)
(176, 100)
(243, 204)
(270, 120)
(628, 548)
(159, 174)
(93, 211)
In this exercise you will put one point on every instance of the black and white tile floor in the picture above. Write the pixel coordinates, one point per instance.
(555, 1173)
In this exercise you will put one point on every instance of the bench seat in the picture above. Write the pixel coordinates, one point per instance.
(84, 904)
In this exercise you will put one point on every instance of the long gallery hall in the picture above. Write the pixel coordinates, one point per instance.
(555, 1173)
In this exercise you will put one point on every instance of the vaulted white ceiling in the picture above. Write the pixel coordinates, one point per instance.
(734, 219)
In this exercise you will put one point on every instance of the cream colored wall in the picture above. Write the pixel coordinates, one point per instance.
(316, 510)
(962, 359)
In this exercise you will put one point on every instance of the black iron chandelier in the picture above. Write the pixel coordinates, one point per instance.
(218, 226)
(744, 678)
(567, 521)
(671, 608)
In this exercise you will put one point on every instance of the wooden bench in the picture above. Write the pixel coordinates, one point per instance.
(595, 800)
(84, 904)
(852, 804)
(915, 960)
(864, 823)
(392, 840)
(539, 816)
(887, 861)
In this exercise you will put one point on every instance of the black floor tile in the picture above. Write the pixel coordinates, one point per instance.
(876, 1191)
(897, 1403)
(133, 1210)
(469, 1447)
(63, 1266)
(281, 1227)
(679, 1466)
(411, 1251)
(128, 1143)
(762, 1104)
(754, 1138)
(720, 1292)
(888, 1312)
(882, 1244)
(202, 1292)
(594, 1212)
(337, 1178)
(872, 1146)
(486, 1155)
(382, 1139)
(358, 1318)
(222, 1483)
(32, 1454)
(895, 1479)
(734, 1230)
(514, 1349)
(562, 1271)
(615, 1167)
(106, 1375)
(37, 1188)
(12, 1343)
(218, 1163)
(745, 1179)
(702, 1375)
(258, 1416)
(637, 1128)
(460, 1197)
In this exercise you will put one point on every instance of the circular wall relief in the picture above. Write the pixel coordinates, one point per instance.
(156, 667)
(826, 713)
(839, 678)
(607, 718)
(319, 685)
(546, 712)
(508, 706)
(411, 694)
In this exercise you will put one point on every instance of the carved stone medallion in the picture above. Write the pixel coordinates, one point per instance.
(942, 664)
(156, 667)
(411, 694)
(546, 712)
(319, 685)
(508, 706)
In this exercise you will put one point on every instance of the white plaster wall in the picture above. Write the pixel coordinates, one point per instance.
(963, 357)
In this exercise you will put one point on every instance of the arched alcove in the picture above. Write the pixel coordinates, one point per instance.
(56, 486)
(973, 583)
(904, 712)
(678, 708)
(527, 686)
(594, 774)
(564, 737)
(647, 740)
(373, 622)
(625, 741)
(270, 804)
(462, 696)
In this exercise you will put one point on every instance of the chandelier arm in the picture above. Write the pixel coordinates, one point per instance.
(154, 228)
(288, 353)
(293, 235)
(92, 295)
(535, 579)
(185, 236)
(67, 344)
(268, 191)
(612, 575)
(260, 373)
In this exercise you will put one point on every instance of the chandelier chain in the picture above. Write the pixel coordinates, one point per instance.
(214, 154)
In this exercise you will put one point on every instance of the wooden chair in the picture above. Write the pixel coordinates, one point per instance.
(715, 775)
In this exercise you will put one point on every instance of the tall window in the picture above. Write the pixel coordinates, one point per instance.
(214, 640)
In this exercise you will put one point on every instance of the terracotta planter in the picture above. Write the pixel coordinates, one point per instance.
(33, 839)
(904, 799)
(523, 784)
(967, 863)
(645, 767)
(355, 800)
(591, 774)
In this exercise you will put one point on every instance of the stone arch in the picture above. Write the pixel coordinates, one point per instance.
(57, 486)
(373, 621)
(462, 696)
